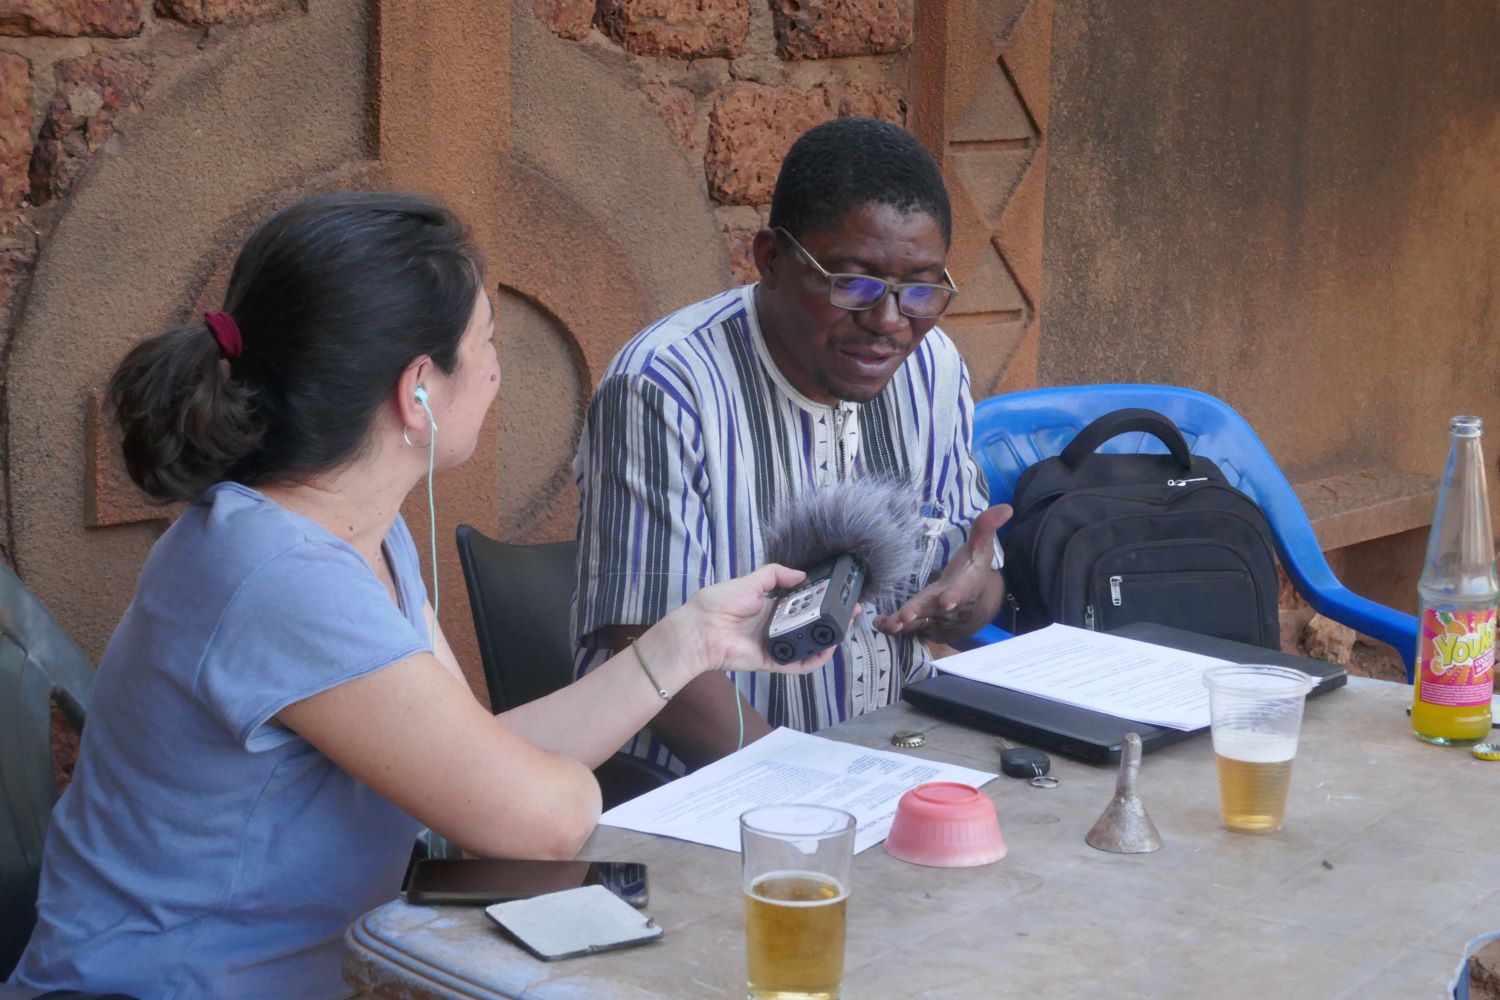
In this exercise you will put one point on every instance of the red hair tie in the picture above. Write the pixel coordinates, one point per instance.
(227, 332)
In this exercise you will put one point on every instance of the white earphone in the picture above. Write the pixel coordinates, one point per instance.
(437, 845)
(421, 396)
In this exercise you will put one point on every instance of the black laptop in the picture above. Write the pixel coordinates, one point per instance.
(1078, 732)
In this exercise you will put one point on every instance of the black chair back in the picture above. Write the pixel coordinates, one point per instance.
(521, 597)
(39, 665)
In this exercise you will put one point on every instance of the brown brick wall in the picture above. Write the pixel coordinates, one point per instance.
(738, 80)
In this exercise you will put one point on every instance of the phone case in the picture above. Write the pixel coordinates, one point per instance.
(574, 922)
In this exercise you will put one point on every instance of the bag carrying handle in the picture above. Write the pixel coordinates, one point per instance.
(1125, 421)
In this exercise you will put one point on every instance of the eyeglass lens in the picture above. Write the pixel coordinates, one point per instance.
(858, 292)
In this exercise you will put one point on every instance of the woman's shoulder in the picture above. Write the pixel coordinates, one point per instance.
(238, 559)
(241, 517)
(232, 532)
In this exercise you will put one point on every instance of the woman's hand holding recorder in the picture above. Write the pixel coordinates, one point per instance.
(723, 627)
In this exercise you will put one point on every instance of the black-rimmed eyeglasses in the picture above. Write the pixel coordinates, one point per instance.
(859, 292)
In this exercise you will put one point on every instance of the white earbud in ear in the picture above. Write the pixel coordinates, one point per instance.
(421, 395)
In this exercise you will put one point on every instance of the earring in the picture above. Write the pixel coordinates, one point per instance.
(406, 436)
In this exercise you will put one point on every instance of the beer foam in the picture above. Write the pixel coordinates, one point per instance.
(840, 891)
(1254, 747)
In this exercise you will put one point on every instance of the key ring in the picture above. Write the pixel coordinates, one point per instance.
(1040, 780)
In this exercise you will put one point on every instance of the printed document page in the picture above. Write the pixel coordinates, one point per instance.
(1122, 677)
(785, 766)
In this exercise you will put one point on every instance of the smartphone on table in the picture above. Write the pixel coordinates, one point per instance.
(482, 881)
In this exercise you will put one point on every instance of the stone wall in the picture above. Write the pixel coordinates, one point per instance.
(1295, 207)
(736, 81)
(70, 72)
(613, 157)
(1234, 198)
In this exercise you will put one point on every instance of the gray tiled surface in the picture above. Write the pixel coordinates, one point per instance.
(1386, 867)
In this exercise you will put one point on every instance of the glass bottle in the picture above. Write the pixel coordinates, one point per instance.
(1455, 668)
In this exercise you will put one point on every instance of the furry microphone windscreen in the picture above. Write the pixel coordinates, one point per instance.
(877, 520)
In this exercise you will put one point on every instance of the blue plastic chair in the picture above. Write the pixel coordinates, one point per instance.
(1015, 431)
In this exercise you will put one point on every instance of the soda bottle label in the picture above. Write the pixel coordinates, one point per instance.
(1456, 659)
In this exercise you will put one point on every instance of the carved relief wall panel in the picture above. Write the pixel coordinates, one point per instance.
(980, 97)
(161, 146)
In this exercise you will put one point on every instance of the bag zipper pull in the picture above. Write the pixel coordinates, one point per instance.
(1114, 589)
(1184, 482)
(1088, 618)
(1015, 612)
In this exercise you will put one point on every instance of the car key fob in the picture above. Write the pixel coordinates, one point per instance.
(1024, 762)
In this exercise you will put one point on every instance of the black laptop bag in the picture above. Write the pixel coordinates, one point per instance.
(1102, 541)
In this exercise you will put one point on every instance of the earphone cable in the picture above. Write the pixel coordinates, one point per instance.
(739, 707)
(437, 594)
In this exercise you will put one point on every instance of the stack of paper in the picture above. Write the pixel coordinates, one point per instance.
(785, 766)
(1105, 673)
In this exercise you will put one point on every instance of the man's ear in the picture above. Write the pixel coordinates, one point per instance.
(770, 259)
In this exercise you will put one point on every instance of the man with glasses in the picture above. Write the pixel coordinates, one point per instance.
(830, 367)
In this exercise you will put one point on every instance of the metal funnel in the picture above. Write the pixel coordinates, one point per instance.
(1124, 827)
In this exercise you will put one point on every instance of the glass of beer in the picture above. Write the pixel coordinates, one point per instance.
(796, 861)
(1256, 714)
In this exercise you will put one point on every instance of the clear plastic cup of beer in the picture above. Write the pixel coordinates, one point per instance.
(795, 863)
(1255, 714)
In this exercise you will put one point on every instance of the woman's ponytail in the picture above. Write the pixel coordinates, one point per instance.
(327, 304)
(184, 420)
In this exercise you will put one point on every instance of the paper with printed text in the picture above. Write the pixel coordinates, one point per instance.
(1105, 673)
(785, 766)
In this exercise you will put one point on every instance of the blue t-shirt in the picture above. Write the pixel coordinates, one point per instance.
(202, 849)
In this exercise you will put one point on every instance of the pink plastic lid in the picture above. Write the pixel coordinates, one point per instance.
(944, 824)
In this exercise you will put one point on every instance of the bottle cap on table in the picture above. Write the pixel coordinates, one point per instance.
(1486, 751)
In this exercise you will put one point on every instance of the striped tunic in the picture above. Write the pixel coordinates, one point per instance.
(692, 440)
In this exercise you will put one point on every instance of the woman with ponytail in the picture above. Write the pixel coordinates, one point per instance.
(278, 714)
